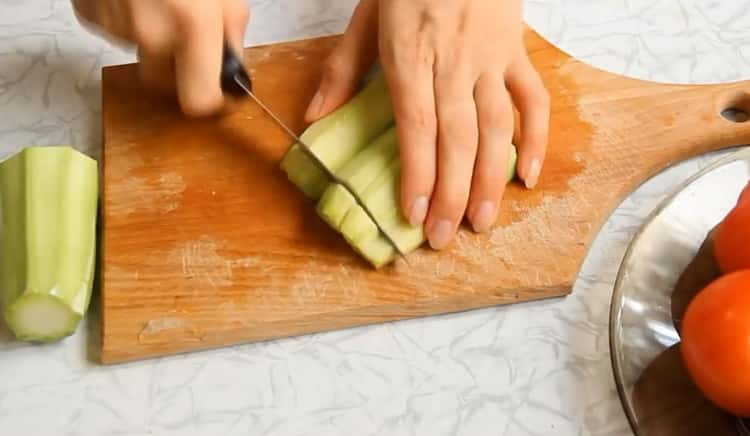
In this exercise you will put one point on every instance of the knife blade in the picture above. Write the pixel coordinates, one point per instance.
(235, 79)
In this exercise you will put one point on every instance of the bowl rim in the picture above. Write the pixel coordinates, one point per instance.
(615, 311)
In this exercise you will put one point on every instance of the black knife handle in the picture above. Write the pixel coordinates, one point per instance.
(232, 67)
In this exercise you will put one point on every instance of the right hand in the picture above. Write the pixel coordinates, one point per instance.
(179, 42)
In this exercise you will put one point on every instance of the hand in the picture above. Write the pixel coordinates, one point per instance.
(455, 70)
(179, 42)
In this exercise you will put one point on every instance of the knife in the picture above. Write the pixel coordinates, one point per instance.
(236, 81)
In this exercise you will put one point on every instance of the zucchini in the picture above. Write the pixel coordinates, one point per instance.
(48, 211)
(382, 199)
(338, 136)
(358, 143)
(358, 173)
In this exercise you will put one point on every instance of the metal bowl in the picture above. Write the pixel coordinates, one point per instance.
(641, 325)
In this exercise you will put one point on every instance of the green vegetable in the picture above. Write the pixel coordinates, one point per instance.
(358, 173)
(334, 204)
(383, 200)
(338, 136)
(48, 210)
(358, 143)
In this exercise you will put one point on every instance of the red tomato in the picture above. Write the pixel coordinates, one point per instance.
(732, 238)
(715, 342)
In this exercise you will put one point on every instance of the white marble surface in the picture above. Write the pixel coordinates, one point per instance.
(531, 369)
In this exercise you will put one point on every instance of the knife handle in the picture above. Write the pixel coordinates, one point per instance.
(231, 68)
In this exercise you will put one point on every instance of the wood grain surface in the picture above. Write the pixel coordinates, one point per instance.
(206, 244)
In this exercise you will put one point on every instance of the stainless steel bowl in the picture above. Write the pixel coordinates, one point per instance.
(641, 324)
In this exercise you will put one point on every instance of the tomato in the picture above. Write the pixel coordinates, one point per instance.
(732, 238)
(715, 342)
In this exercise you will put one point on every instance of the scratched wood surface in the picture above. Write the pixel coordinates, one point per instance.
(205, 242)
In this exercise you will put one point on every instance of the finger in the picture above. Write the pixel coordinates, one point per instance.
(198, 57)
(88, 11)
(348, 63)
(117, 19)
(407, 60)
(153, 30)
(528, 91)
(112, 20)
(236, 16)
(413, 100)
(153, 27)
(457, 146)
(495, 119)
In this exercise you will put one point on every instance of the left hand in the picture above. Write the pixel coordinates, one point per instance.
(455, 70)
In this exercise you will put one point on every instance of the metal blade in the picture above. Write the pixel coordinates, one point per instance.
(320, 164)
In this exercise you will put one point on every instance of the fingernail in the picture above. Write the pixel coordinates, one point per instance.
(418, 211)
(440, 234)
(533, 176)
(484, 217)
(315, 105)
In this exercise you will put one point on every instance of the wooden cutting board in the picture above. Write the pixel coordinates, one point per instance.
(206, 244)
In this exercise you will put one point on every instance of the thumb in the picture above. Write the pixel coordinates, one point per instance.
(348, 62)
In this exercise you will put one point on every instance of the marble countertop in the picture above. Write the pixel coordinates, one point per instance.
(538, 368)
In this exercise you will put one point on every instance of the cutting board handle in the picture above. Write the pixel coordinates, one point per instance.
(733, 104)
(725, 119)
(690, 120)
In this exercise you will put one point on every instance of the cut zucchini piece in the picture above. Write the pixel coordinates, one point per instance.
(382, 198)
(512, 161)
(48, 211)
(334, 204)
(302, 170)
(377, 251)
(357, 227)
(338, 136)
(369, 163)
(358, 173)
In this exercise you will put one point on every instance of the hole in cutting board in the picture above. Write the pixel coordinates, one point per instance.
(735, 115)
(736, 108)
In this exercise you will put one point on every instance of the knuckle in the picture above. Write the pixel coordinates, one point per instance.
(451, 205)
(87, 9)
(460, 133)
(185, 15)
(241, 9)
(417, 119)
(503, 134)
(456, 111)
(147, 39)
(463, 145)
(496, 118)
(448, 81)
(413, 181)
